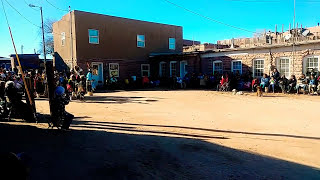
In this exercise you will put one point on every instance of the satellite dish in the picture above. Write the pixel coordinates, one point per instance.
(305, 32)
(287, 37)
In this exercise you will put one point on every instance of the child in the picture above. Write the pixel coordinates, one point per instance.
(255, 83)
(264, 81)
(312, 84)
(272, 83)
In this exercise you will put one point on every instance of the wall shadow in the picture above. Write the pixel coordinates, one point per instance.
(94, 154)
(118, 99)
(90, 124)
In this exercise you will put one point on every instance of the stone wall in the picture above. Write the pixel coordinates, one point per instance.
(270, 56)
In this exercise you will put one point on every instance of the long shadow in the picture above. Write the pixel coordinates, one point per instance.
(118, 99)
(200, 129)
(94, 154)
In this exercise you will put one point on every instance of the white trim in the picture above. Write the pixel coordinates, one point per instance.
(63, 39)
(144, 41)
(253, 67)
(171, 62)
(118, 69)
(304, 65)
(185, 71)
(236, 61)
(93, 36)
(213, 65)
(145, 70)
(160, 69)
(278, 65)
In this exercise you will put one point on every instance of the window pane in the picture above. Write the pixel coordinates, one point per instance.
(93, 32)
(94, 40)
(172, 43)
(140, 44)
(140, 37)
(145, 67)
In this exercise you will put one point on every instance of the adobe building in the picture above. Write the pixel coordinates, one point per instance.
(112, 46)
(294, 52)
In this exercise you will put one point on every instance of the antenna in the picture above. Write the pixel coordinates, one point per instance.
(21, 49)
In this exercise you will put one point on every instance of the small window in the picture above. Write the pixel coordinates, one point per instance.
(311, 63)
(63, 38)
(284, 66)
(172, 43)
(236, 66)
(258, 67)
(114, 70)
(145, 70)
(93, 36)
(173, 68)
(217, 67)
(141, 41)
(162, 69)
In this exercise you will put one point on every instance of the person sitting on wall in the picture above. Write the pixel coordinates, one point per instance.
(302, 82)
(272, 83)
(312, 84)
(292, 83)
(145, 81)
(275, 74)
(283, 82)
(254, 84)
(264, 81)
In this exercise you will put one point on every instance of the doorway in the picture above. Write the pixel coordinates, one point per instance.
(97, 73)
(183, 68)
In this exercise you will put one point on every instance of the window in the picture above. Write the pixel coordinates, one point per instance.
(311, 63)
(114, 69)
(236, 66)
(63, 38)
(145, 70)
(93, 36)
(258, 68)
(141, 41)
(162, 69)
(217, 66)
(173, 68)
(283, 66)
(172, 43)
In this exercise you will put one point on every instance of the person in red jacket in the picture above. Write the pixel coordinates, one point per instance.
(255, 83)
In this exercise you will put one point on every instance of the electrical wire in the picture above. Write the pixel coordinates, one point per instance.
(56, 6)
(208, 18)
(21, 14)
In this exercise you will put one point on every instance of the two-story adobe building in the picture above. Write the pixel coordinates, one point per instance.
(112, 46)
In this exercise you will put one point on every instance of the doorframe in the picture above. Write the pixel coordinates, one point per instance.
(186, 63)
(99, 63)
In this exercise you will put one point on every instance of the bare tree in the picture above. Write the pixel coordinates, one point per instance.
(48, 30)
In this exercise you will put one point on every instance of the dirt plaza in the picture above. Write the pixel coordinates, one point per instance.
(192, 134)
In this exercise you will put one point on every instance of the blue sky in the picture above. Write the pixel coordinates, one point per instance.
(254, 16)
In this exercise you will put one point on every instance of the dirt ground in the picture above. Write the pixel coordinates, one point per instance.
(175, 135)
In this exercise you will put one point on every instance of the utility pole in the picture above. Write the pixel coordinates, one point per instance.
(71, 38)
(294, 33)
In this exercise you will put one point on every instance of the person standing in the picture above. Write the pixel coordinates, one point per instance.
(89, 81)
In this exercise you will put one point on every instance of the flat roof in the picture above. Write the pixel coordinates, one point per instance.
(123, 18)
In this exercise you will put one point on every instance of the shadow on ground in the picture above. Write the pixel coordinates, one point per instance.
(89, 154)
(119, 99)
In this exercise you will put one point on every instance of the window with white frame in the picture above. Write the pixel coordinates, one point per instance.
(173, 68)
(113, 69)
(93, 36)
(141, 42)
(311, 63)
(63, 38)
(145, 70)
(217, 66)
(236, 66)
(172, 43)
(162, 69)
(258, 67)
(283, 66)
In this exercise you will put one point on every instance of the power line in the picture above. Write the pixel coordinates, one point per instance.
(208, 18)
(22, 15)
(56, 6)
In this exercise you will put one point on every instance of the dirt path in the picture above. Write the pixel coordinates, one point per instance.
(182, 135)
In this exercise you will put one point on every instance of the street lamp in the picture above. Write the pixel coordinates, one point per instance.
(43, 40)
